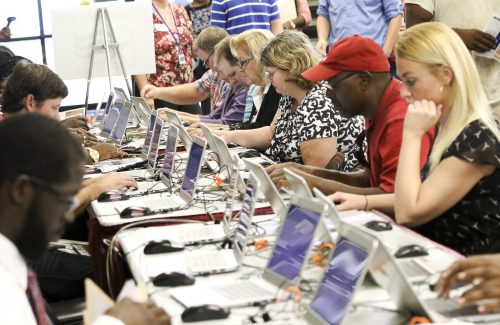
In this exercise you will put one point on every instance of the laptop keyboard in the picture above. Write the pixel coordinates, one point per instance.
(244, 289)
(209, 261)
(162, 203)
(196, 234)
(412, 269)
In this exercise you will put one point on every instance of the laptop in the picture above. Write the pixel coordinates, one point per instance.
(155, 144)
(183, 135)
(142, 108)
(170, 149)
(345, 272)
(121, 94)
(297, 184)
(333, 222)
(267, 187)
(149, 132)
(100, 112)
(388, 274)
(118, 132)
(212, 160)
(159, 204)
(284, 266)
(204, 262)
(111, 118)
(230, 164)
(172, 116)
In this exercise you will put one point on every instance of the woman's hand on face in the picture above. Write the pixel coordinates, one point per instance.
(421, 116)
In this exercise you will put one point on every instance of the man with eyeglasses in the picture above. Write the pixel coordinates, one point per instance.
(359, 83)
(38, 184)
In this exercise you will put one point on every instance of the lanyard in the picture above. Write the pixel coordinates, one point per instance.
(177, 41)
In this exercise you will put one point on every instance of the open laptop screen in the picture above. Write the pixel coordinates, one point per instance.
(168, 163)
(113, 115)
(149, 132)
(293, 242)
(246, 213)
(192, 168)
(337, 287)
(121, 124)
(155, 143)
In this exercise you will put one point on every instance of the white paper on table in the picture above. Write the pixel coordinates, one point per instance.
(492, 28)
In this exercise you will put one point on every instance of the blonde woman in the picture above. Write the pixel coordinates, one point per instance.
(306, 127)
(458, 203)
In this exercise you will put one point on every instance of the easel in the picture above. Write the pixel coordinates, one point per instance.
(103, 15)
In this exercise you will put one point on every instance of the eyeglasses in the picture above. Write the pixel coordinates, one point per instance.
(244, 63)
(205, 63)
(334, 84)
(67, 199)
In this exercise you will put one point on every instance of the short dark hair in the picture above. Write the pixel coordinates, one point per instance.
(36, 145)
(32, 78)
(7, 64)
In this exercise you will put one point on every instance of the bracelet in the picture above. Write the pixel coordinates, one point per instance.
(366, 203)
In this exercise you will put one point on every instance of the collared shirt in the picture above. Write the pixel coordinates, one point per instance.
(14, 304)
(384, 133)
(237, 16)
(369, 18)
(211, 85)
(231, 110)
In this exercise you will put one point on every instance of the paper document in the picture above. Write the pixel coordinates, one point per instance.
(493, 28)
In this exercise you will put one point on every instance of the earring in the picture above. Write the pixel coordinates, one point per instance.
(441, 89)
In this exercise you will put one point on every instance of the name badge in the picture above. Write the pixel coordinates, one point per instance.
(182, 58)
(161, 28)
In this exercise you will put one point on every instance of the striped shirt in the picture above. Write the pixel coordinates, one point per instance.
(237, 16)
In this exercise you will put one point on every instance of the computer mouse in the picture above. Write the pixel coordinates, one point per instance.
(204, 312)
(250, 153)
(173, 279)
(378, 225)
(232, 145)
(112, 196)
(134, 212)
(162, 246)
(186, 123)
(265, 163)
(412, 250)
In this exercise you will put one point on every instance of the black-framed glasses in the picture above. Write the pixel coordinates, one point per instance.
(244, 63)
(65, 198)
(205, 63)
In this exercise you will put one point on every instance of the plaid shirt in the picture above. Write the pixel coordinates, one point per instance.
(211, 85)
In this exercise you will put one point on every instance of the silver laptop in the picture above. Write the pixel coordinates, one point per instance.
(134, 116)
(331, 210)
(212, 160)
(100, 111)
(173, 117)
(111, 118)
(118, 133)
(267, 187)
(345, 272)
(230, 163)
(155, 144)
(297, 184)
(142, 108)
(183, 135)
(159, 204)
(203, 262)
(169, 161)
(149, 132)
(284, 266)
(388, 274)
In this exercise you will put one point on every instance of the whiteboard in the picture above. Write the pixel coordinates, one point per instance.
(73, 31)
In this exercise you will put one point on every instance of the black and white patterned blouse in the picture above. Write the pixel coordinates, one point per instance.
(472, 226)
(200, 17)
(314, 118)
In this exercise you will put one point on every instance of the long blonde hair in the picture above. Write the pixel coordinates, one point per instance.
(435, 45)
(252, 42)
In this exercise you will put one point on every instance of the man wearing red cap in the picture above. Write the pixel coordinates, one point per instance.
(359, 83)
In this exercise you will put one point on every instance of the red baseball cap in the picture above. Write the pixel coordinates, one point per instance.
(352, 53)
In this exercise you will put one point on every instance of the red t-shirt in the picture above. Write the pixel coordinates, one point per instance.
(384, 134)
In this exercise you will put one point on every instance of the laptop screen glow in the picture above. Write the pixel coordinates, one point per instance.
(293, 243)
(247, 209)
(337, 287)
(149, 132)
(155, 143)
(113, 115)
(121, 124)
(168, 163)
(192, 169)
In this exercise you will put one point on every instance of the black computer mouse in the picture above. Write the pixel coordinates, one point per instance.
(204, 312)
(134, 212)
(265, 163)
(412, 250)
(250, 153)
(163, 246)
(173, 279)
(378, 225)
(112, 196)
(232, 145)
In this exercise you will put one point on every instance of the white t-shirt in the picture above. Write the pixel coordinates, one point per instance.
(470, 15)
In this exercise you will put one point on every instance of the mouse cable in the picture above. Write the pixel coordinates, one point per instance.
(109, 253)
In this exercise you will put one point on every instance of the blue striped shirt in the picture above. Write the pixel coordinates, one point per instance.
(237, 16)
